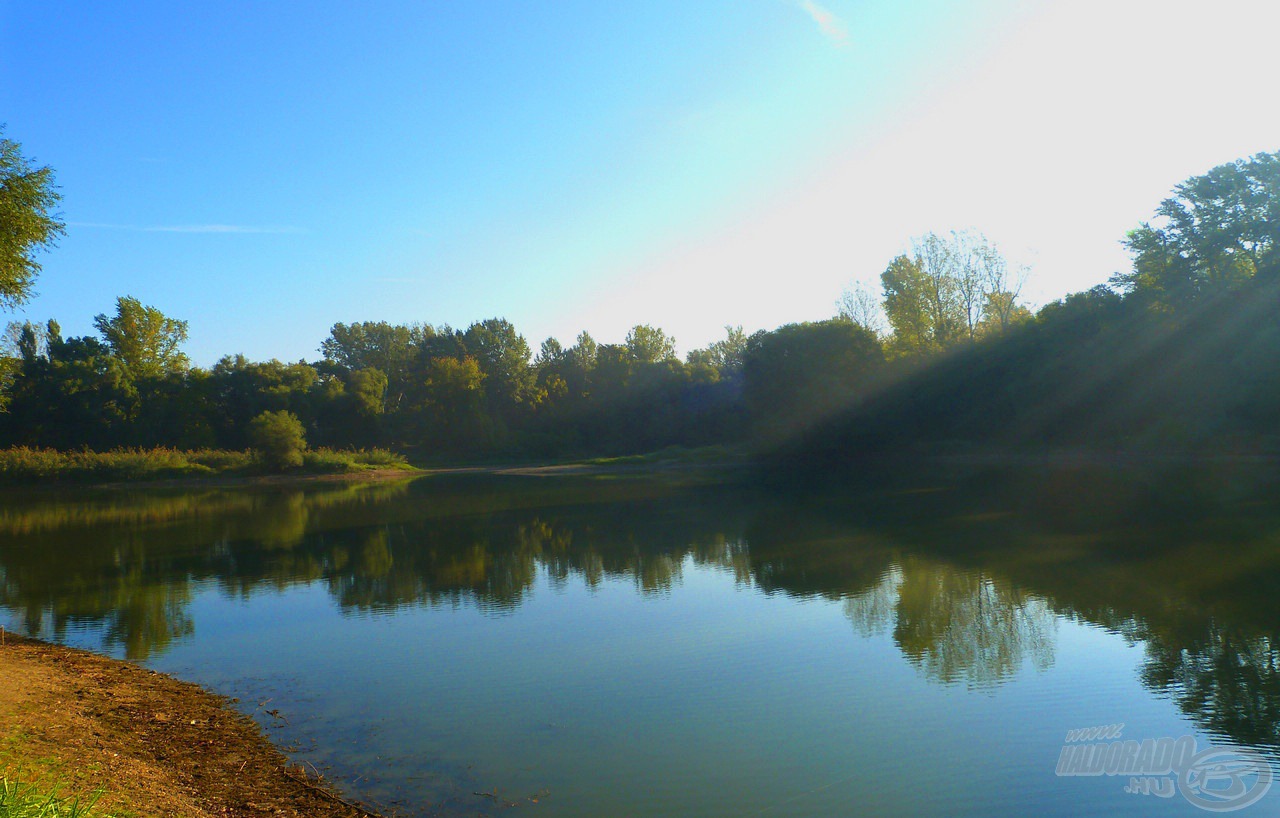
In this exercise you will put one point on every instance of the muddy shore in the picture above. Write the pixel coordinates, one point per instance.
(154, 745)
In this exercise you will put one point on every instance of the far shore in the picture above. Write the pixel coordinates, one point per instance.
(683, 463)
(665, 462)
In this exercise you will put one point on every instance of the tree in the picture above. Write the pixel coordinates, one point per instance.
(551, 352)
(28, 224)
(145, 340)
(726, 356)
(800, 374)
(503, 357)
(922, 319)
(1001, 286)
(390, 348)
(1217, 231)
(279, 438)
(649, 345)
(452, 404)
(583, 352)
(859, 305)
(948, 290)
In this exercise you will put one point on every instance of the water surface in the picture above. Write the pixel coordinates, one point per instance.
(631, 647)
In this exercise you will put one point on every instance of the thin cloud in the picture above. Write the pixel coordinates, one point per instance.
(832, 26)
(189, 228)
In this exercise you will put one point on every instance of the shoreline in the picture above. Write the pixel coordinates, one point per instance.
(648, 465)
(221, 481)
(577, 468)
(155, 745)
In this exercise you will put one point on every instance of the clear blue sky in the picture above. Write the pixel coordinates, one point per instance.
(264, 170)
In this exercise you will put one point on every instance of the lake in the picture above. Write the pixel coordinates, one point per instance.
(642, 647)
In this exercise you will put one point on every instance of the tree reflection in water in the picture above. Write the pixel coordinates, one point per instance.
(969, 587)
(957, 627)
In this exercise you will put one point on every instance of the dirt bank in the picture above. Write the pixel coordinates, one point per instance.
(158, 746)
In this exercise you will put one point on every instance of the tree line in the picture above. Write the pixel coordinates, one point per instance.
(1180, 354)
(434, 390)
(947, 351)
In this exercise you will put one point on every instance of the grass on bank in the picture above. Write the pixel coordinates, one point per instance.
(26, 800)
(676, 456)
(23, 464)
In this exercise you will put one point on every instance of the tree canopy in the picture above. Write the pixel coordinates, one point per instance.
(1216, 231)
(1066, 375)
(28, 223)
(145, 340)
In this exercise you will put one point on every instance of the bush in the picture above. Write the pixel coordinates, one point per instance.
(279, 439)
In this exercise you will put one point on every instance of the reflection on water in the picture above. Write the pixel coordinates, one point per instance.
(956, 626)
(970, 586)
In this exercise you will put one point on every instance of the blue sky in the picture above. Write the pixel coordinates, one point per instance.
(264, 170)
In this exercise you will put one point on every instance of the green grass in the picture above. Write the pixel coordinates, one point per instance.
(673, 455)
(25, 800)
(26, 465)
(322, 461)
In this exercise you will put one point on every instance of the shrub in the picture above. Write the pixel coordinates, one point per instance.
(279, 439)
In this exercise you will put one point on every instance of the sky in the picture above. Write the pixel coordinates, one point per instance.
(264, 170)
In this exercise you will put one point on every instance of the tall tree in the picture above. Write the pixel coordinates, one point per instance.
(378, 344)
(144, 339)
(503, 357)
(648, 345)
(1001, 288)
(922, 320)
(28, 223)
(725, 356)
(1217, 231)
(949, 289)
(801, 373)
(859, 305)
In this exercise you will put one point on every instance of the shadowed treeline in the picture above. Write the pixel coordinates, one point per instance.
(967, 579)
(1178, 354)
(1098, 372)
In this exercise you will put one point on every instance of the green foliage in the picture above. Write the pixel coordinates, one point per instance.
(649, 345)
(800, 374)
(441, 392)
(725, 357)
(22, 464)
(503, 357)
(948, 290)
(920, 314)
(367, 388)
(144, 339)
(374, 344)
(28, 224)
(26, 800)
(279, 438)
(329, 460)
(1217, 231)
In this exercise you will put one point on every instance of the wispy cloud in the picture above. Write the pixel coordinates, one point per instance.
(832, 26)
(190, 228)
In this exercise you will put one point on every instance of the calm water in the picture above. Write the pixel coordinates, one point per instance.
(617, 647)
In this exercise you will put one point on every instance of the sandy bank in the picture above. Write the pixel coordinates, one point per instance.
(158, 746)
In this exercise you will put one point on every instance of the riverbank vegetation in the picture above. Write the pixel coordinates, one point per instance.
(1177, 354)
(24, 800)
(24, 464)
